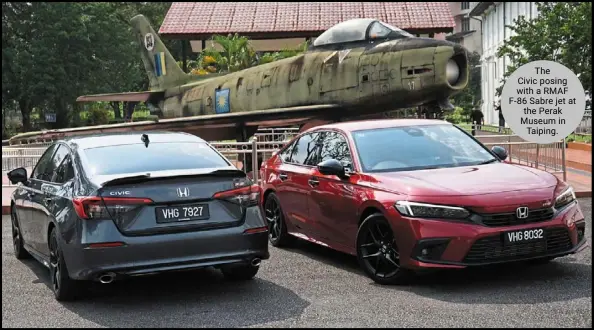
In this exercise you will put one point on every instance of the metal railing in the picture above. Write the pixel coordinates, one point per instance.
(248, 156)
(585, 125)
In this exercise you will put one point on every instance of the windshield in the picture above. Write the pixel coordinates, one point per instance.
(417, 148)
(399, 31)
(134, 158)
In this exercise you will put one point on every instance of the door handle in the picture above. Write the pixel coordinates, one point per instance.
(313, 182)
(48, 200)
(283, 176)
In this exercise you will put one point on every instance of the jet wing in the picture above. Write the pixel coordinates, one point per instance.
(124, 97)
(216, 127)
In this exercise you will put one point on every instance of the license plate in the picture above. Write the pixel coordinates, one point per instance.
(182, 213)
(526, 235)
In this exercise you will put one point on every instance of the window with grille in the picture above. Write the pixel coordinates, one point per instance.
(465, 24)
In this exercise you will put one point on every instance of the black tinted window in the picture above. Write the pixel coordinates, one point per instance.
(59, 156)
(305, 149)
(40, 172)
(285, 155)
(417, 147)
(64, 172)
(133, 158)
(335, 146)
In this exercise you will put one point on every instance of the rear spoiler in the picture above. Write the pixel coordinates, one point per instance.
(147, 177)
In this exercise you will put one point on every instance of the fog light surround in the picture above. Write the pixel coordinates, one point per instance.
(430, 249)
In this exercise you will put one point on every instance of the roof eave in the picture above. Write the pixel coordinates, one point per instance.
(480, 8)
(283, 34)
(460, 35)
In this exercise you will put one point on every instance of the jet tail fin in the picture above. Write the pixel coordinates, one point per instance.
(161, 67)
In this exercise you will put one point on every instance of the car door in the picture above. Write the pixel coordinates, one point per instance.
(42, 200)
(58, 194)
(332, 202)
(294, 174)
(31, 197)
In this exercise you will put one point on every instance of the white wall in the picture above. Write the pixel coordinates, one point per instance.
(493, 68)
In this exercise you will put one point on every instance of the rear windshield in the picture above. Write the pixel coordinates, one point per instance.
(132, 158)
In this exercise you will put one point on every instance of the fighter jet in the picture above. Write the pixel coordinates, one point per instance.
(356, 69)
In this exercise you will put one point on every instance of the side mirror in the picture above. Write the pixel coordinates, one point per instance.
(500, 152)
(17, 175)
(332, 167)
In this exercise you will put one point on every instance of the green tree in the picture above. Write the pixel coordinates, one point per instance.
(54, 52)
(562, 32)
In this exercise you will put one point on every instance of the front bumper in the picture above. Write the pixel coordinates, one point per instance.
(142, 255)
(443, 244)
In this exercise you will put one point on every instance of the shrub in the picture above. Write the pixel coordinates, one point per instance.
(455, 117)
(97, 116)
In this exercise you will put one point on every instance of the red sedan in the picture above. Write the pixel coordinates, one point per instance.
(406, 195)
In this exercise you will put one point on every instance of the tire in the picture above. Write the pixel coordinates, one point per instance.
(275, 218)
(377, 252)
(17, 238)
(240, 272)
(63, 287)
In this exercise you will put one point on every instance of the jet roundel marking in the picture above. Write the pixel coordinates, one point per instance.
(149, 41)
(222, 101)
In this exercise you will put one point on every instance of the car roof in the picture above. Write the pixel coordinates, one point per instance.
(352, 126)
(109, 139)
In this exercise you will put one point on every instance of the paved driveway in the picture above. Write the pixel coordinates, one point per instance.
(310, 286)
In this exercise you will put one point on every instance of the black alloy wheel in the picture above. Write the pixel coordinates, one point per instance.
(378, 253)
(17, 238)
(63, 287)
(277, 230)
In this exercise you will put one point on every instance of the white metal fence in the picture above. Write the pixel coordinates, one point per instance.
(585, 126)
(548, 157)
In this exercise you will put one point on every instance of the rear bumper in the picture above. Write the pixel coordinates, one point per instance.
(140, 255)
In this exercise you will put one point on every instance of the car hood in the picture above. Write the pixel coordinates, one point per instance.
(466, 181)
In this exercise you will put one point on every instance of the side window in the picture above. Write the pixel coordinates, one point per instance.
(64, 172)
(285, 155)
(335, 146)
(304, 149)
(43, 163)
(59, 156)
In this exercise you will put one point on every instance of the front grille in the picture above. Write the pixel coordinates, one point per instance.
(492, 248)
(510, 219)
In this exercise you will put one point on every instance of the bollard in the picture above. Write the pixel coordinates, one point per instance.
(255, 167)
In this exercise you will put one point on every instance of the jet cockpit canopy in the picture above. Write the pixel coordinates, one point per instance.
(359, 29)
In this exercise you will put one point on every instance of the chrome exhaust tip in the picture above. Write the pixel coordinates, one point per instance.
(107, 278)
(256, 262)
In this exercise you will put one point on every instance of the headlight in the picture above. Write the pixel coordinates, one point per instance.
(421, 210)
(565, 198)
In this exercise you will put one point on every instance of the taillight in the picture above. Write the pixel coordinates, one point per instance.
(244, 196)
(94, 208)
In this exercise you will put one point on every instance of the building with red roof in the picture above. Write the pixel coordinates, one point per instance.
(275, 25)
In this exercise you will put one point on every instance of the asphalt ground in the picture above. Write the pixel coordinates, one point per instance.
(311, 286)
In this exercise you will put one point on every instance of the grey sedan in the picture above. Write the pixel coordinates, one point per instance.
(105, 207)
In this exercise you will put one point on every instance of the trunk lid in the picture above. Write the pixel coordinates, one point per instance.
(160, 203)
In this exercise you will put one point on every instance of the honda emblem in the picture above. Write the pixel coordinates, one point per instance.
(522, 212)
(183, 192)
